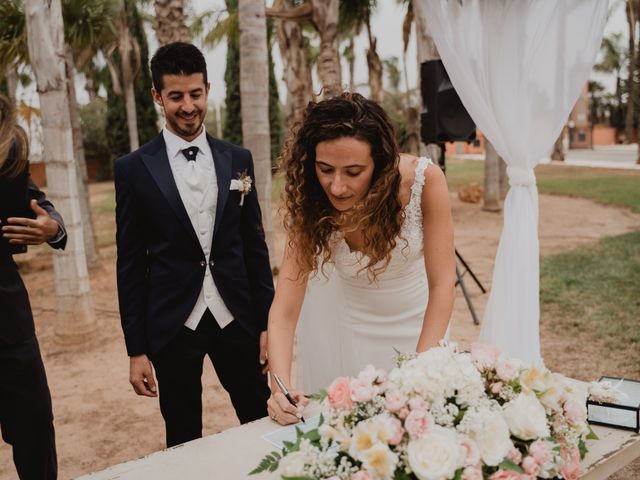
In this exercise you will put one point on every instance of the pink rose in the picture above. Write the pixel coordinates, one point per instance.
(530, 466)
(574, 411)
(417, 423)
(417, 403)
(339, 393)
(362, 390)
(515, 456)
(361, 475)
(496, 387)
(394, 400)
(507, 368)
(470, 452)
(484, 355)
(540, 450)
(472, 473)
(505, 475)
(398, 434)
(403, 412)
(571, 470)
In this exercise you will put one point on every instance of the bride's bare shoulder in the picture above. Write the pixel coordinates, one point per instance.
(407, 166)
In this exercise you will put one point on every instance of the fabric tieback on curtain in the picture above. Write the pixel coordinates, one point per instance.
(521, 176)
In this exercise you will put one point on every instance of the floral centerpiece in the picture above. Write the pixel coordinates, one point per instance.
(443, 414)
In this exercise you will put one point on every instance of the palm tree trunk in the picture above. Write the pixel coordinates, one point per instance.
(75, 319)
(491, 178)
(375, 67)
(632, 20)
(126, 45)
(81, 164)
(351, 59)
(254, 95)
(297, 70)
(325, 18)
(170, 22)
(558, 148)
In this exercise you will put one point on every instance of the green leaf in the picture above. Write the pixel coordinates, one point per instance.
(320, 396)
(583, 449)
(458, 475)
(400, 474)
(592, 435)
(508, 464)
(270, 463)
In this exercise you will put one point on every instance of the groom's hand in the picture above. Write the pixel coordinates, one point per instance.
(264, 361)
(141, 376)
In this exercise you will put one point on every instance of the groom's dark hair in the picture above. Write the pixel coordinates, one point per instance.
(177, 58)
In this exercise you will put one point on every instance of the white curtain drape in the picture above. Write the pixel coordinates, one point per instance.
(518, 67)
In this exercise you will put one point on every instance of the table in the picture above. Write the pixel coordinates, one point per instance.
(232, 454)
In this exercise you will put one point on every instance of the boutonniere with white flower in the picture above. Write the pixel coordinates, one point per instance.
(242, 184)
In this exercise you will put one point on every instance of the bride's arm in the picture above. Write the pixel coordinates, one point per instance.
(439, 257)
(283, 318)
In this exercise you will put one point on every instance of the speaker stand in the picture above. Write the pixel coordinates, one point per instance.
(467, 269)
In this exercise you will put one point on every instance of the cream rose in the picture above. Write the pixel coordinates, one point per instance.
(526, 417)
(436, 456)
(491, 434)
(292, 465)
(380, 461)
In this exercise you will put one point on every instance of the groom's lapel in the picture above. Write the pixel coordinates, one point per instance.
(158, 165)
(223, 163)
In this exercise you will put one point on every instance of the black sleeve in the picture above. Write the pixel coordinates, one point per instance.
(131, 263)
(256, 253)
(60, 240)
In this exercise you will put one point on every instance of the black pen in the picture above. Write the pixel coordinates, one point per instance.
(286, 393)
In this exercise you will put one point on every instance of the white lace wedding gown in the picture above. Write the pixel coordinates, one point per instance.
(348, 322)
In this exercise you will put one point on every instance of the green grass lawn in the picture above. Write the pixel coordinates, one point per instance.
(608, 186)
(596, 288)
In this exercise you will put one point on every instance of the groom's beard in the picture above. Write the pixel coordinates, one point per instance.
(189, 125)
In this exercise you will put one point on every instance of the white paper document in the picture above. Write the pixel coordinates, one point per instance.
(288, 433)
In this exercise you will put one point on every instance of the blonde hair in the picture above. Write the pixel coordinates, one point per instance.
(12, 135)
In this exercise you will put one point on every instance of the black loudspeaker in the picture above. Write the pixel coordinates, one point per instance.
(444, 118)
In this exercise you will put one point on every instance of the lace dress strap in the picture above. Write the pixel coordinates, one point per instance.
(418, 182)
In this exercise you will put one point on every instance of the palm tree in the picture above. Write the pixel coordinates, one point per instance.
(254, 94)
(13, 44)
(45, 32)
(323, 15)
(354, 15)
(86, 21)
(294, 50)
(170, 22)
(88, 24)
(123, 59)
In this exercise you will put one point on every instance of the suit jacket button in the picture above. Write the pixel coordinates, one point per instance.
(203, 263)
(211, 262)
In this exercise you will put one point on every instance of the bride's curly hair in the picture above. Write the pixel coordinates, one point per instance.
(310, 218)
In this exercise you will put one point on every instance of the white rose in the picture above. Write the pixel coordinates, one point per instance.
(526, 417)
(292, 465)
(436, 456)
(491, 433)
(380, 461)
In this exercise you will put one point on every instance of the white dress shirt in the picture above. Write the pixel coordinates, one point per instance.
(200, 200)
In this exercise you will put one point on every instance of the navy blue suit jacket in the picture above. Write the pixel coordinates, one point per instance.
(161, 266)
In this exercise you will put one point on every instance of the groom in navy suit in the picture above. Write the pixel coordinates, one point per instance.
(193, 268)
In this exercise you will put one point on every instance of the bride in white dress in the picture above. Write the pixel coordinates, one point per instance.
(366, 228)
